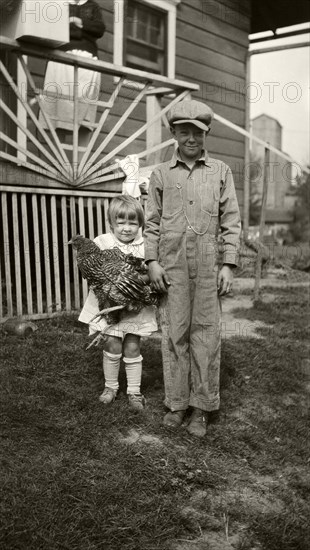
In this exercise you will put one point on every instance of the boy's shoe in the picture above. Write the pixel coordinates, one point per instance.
(136, 401)
(108, 396)
(173, 419)
(197, 424)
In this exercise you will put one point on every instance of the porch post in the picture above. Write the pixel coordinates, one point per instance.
(262, 224)
(247, 142)
(153, 132)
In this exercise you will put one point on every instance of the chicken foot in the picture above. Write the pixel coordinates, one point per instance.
(106, 310)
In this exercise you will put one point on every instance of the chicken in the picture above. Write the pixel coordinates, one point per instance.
(117, 279)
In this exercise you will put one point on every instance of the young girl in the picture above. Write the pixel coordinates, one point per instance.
(125, 217)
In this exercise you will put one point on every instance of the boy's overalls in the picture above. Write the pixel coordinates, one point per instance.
(185, 209)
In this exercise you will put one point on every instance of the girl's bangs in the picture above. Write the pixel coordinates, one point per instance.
(126, 212)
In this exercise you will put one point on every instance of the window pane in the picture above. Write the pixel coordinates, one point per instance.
(155, 37)
(141, 52)
(129, 20)
(141, 31)
(146, 37)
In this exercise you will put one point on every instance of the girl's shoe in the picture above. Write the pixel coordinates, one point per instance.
(136, 401)
(108, 396)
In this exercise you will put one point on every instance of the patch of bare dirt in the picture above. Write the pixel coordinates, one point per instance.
(134, 437)
(236, 326)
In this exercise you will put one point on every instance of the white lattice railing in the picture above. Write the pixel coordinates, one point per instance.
(40, 150)
(38, 271)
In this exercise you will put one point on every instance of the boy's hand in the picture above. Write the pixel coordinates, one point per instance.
(158, 276)
(225, 280)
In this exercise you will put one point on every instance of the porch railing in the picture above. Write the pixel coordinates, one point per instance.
(71, 185)
(37, 146)
(38, 269)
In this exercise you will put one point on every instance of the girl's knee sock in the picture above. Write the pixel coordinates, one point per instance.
(133, 367)
(111, 363)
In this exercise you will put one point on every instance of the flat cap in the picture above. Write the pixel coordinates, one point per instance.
(193, 112)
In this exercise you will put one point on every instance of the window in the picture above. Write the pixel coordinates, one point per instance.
(145, 34)
(145, 38)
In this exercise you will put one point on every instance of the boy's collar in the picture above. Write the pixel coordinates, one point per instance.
(176, 158)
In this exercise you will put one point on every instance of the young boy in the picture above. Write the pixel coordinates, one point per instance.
(125, 217)
(190, 198)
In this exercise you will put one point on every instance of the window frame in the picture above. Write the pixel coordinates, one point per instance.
(167, 6)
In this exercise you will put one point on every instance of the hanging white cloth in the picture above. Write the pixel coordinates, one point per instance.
(133, 180)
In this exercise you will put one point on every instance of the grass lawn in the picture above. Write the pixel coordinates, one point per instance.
(78, 476)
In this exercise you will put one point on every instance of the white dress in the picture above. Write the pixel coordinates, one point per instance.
(142, 323)
(58, 92)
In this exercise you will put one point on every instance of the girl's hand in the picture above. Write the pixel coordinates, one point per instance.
(225, 280)
(158, 276)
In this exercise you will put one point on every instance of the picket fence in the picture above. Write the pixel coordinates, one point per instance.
(39, 273)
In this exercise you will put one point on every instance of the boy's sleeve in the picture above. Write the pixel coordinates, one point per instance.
(230, 222)
(153, 216)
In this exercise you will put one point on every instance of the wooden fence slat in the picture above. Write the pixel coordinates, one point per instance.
(36, 236)
(81, 216)
(76, 283)
(105, 211)
(7, 265)
(55, 253)
(65, 252)
(91, 227)
(82, 232)
(26, 254)
(19, 304)
(48, 283)
(99, 217)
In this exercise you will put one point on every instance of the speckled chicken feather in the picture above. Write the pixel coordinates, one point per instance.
(116, 278)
